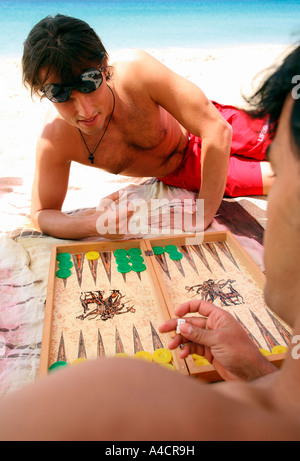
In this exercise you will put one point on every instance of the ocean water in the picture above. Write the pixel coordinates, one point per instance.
(154, 24)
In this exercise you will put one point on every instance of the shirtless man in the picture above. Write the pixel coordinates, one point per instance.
(133, 117)
(134, 400)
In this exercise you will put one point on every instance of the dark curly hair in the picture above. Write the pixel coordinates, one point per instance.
(62, 45)
(269, 99)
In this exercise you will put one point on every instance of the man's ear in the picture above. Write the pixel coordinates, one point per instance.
(108, 70)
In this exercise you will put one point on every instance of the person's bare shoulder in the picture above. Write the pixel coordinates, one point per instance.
(127, 57)
(56, 137)
(132, 67)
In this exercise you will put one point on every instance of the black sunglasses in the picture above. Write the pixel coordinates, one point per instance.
(87, 82)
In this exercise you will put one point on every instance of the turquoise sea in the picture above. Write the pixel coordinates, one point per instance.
(153, 24)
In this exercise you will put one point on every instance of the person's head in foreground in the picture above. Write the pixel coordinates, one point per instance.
(113, 399)
(280, 97)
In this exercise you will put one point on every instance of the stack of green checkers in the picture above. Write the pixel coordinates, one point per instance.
(129, 260)
(172, 250)
(64, 264)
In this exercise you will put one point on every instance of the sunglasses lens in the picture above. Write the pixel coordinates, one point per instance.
(90, 81)
(57, 92)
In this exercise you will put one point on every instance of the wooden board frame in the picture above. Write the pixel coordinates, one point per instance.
(208, 372)
(159, 290)
(84, 247)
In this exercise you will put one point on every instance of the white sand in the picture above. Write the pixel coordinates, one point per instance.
(223, 74)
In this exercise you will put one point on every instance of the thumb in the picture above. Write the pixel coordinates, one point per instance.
(197, 335)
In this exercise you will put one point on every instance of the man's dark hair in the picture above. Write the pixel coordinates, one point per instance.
(63, 46)
(270, 97)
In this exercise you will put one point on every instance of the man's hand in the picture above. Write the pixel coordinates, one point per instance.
(219, 337)
(113, 215)
(110, 220)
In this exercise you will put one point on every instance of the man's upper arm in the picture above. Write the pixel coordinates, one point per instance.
(187, 103)
(51, 177)
(184, 100)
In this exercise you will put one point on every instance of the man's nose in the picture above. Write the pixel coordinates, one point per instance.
(84, 103)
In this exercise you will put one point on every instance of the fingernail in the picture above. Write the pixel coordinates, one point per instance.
(186, 328)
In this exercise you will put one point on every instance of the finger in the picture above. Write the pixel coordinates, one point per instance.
(191, 348)
(197, 305)
(177, 341)
(187, 307)
(186, 347)
(200, 336)
(169, 325)
(172, 324)
(117, 195)
(122, 219)
(110, 236)
(109, 200)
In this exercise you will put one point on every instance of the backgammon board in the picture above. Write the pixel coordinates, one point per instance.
(107, 299)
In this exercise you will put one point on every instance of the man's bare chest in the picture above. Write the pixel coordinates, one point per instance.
(138, 146)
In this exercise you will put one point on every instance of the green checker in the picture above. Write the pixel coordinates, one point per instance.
(170, 248)
(122, 260)
(123, 268)
(134, 252)
(176, 255)
(138, 267)
(63, 257)
(63, 273)
(157, 250)
(136, 259)
(67, 264)
(58, 365)
(120, 252)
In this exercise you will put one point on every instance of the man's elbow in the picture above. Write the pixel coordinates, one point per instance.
(225, 135)
(34, 220)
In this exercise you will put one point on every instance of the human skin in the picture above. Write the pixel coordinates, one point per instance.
(127, 399)
(155, 109)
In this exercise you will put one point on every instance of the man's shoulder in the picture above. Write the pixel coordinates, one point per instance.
(131, 63)
(54, 136)
(134, 69)
(54, 125)
(128, 56)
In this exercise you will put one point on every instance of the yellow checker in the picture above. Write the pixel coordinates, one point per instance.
(170, 366)
(91, 255)
(143, 355)
(197, 356)
(78, 361)
(279, 349)
(264, 352)
(162, 356)
(201, 361)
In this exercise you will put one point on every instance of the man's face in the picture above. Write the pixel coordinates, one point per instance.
(282, 235)
(87, 111)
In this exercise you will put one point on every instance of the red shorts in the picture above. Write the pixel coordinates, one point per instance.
(250, 140)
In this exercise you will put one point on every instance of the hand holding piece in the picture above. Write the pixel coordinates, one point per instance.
(218, 336)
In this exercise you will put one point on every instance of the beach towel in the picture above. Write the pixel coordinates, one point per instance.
(25, 257)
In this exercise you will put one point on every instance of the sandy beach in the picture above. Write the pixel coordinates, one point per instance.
(224, 74)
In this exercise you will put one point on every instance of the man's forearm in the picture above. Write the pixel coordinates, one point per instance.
(214, 168)
(60, 225)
